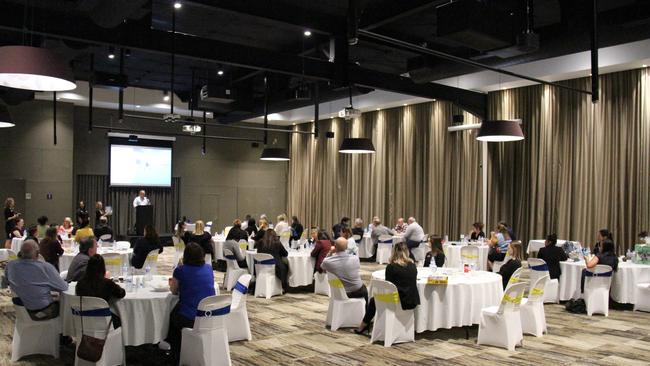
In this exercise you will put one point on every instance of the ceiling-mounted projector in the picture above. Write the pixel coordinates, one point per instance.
(349, 113)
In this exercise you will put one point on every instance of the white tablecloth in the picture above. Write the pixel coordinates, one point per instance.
(366, 249)
(218, 246)
(624, 280)
(16, 243)
(456, 304)
(4, 255)
(301, 266)
(454, 260)
(67, 257)
(144, 314)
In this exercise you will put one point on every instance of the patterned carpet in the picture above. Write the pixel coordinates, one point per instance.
(291, 330)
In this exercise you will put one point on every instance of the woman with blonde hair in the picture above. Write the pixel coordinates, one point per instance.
(200, 237)
(402, 272)
(263, 226)
(515, 253)
(11, 217)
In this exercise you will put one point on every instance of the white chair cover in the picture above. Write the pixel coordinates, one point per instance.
(233, 271)
(207, 342)
(469, 255)
(34, 337)
(321, 287)
(420, 252)
(501, 325)
(226, 231)
(392, 324)
(179, 248)
(266, 283)
(152, 261)
(533, 318)
(96, 316)
(122, 245)
(237, 323)
(597, 283)
(342, 311)
(538, 269)
(113, 262)
(384, 248)
(642, 297)
(285, 238)
(516, 276)
(105, 240)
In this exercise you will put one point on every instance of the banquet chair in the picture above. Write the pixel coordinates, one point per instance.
(122, 245)
(33, 337)
(285, 238)
(539, 268)
(642, 297)
(179, 248)
(243, 246)
(233, 271)
(384, 248)
(237, 323)
(533, 318)
(152, 262)
(597, 283)
(207, 342)
(208, 227)
(392, 323)
(469, 255)
(63, 274)
(496, 265)
(105, 240)
(266, 283)
(96, 317)
(420, 252)
(516, 276)
(321, 286)
(113, 262)
(501, 325)
(226, 231)
(342, 311)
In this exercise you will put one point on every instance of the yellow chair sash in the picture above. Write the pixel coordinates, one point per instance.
(13, 257)
(117, 261)
(179, 246)
(537, 291)
(152, 257)
(336, 283)
(469, 256)
(513, 300)
(392, 298)
(513, 280)
(243, 246)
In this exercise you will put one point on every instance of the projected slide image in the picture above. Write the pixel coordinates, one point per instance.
(141, 166)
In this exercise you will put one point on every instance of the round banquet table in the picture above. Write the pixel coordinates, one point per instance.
(366, 249)
(68, 256)
(16, 244)
(456, 304)
(454, 260)
(301, 266)
(144, 313)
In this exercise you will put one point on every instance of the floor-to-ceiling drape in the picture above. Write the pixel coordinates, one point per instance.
(420, 169)
(582, 166)
(166, 202)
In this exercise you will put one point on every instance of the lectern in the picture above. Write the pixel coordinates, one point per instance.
(143, 217)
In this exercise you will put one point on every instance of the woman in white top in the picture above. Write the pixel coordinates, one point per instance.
(282, 225)
(352, 244)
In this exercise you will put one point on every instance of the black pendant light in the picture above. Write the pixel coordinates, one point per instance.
(271, 153)
(34, 68)
(500, 131)
(5, 118)
(357, 145)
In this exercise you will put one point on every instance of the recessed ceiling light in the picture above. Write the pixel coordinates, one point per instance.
(220, 72)
(307, 33)
(178, 5)
(434, 99)
(644, 65)
(137, 106)
(378, 109)
(311, 120)
(166, 96)
(405, 105)
(294, 124)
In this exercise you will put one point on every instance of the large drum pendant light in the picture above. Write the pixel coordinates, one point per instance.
(34, 68)
(500, 131)
(357, 146)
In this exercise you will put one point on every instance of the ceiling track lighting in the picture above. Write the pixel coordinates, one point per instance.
(358, 145)
(500, 131)
(34, 68)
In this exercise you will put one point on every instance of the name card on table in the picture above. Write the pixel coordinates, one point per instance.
(437, 280)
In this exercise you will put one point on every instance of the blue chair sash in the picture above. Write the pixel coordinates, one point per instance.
(217, 312)
(94, 312)
(358, 241)
(541, 267)
(231, 257)
(266, 261)
(17, 301)
(241, 288)
(390, 241)
(604, 274)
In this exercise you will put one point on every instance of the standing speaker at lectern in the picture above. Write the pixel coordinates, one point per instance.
(141, 200)
(143, 212)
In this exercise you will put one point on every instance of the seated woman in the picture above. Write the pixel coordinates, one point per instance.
(509, 267)
(65, 230)
(498, 243)
(264, 225)
(18, 231)
(605, 256)
(436, 253)
(94, 283)
(84, 230)
(477, 231)
(358, 228)
(251, 228)
(200, 237)
(313, 237)
(50, 247)
(601, 236)
(42, 227)
(144, 246)
(322, 248)
(353, 249)
(236, 233)
(402, 272)
(192, 282)
(270, 244)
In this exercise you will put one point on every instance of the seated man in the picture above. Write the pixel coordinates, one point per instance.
(552, 255)
(413, 235)
(233, 246)
(400, 226)
(32, 281)
(103, 229)
(87, 248)
(378, 230)
(346, 267)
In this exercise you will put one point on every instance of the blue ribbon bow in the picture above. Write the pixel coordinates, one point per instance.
(541, 267)
(94, 312)
(217, 312)
(241, 288)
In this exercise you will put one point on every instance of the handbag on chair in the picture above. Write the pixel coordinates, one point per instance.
(90, 348)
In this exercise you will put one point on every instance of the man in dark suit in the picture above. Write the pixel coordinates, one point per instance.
(552, 255)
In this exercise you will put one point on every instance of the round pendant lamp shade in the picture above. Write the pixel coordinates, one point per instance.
(5, 118)
(34, 68)
(357, 146)
(500, 131)
(275, 154)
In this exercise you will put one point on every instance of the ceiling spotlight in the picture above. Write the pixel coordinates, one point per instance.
(111, 52)
(405, 105)
(378, 109)
(166, 96)
(644, 65)
(177, 5)
(307, 33)
(220, 72)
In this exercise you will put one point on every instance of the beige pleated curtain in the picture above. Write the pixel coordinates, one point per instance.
(582, 166)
